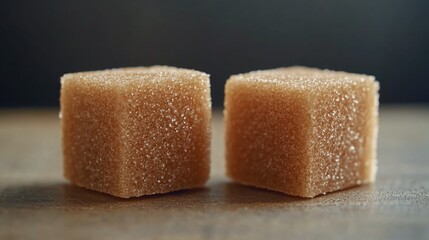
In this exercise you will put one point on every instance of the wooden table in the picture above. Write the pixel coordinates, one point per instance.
(36, 202)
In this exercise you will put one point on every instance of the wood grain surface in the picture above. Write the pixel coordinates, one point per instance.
(36, 202)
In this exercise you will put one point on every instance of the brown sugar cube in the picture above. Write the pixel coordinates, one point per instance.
(136, 131)
(301, 131)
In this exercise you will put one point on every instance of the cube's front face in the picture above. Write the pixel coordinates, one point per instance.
(167, 135)
(267, 130)
(343, 139)
(91, 136)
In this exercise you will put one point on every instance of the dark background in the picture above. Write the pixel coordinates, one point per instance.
(41, 40)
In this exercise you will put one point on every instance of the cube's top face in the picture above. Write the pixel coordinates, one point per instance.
(129, 82)
(302, 78)
(113, 78)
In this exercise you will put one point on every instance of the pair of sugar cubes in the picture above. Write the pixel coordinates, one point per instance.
(137, 131)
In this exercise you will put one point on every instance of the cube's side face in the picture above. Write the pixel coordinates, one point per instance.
(266, 136)
(343, 142)
(90, 135)
(166, 135)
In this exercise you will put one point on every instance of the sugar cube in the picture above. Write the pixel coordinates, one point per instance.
(136, 131)
(301, 131)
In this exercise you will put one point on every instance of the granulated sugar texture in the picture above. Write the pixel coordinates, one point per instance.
(301, 131)
(136, 131)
